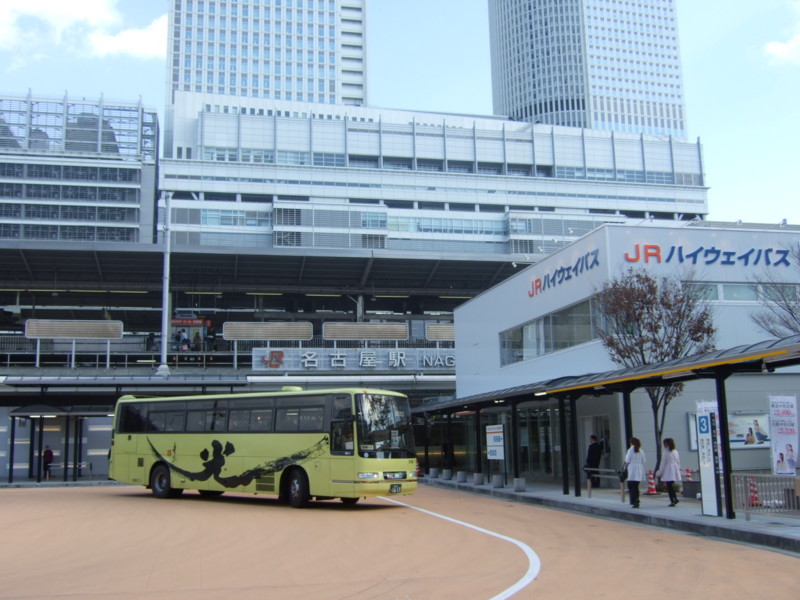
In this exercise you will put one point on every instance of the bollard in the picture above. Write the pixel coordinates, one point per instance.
(433, 473)
(498, 481)
(447, 474)
(477, 479)
(519, 484)
(461, 476)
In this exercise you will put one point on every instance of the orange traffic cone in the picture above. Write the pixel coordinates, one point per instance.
(754, 499)
(688, 474)
(651, 484)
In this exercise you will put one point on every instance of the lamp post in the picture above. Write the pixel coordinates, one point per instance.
(163, 368)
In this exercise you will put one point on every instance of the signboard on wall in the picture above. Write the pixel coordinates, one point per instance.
(747, 430)
(354, 359)
(495, 442)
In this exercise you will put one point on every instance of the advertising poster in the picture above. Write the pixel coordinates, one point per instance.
(783, 424)
(746, 429)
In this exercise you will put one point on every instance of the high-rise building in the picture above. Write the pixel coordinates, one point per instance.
(298, 50)
(597, 64)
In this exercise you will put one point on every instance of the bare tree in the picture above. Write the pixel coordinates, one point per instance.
(780, 315)
(646, 321)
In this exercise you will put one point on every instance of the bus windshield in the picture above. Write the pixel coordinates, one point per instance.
(384, 426)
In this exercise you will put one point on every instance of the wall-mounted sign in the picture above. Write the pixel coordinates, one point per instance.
(495, 443)
(565, 273)
(708, 255)
(354, 359)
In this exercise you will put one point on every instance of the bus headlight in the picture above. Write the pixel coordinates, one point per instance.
(369, 476)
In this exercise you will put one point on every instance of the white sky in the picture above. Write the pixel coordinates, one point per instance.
(741, 64)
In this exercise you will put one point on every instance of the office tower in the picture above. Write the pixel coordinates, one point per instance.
(597, 64)
(303, 50)
(310, 51)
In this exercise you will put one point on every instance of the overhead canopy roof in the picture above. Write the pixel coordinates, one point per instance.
(764, 356)
(124, 281)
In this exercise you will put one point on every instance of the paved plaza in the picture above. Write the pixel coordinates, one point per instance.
(115, 541)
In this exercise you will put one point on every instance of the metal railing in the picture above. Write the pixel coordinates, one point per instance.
(756, 493)
(132, 351)
(612, 474)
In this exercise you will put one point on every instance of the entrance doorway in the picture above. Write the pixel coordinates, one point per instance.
(540, 444)
(599, 425)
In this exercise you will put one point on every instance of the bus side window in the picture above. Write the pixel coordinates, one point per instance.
(215, 420)
(342, 436)
(133, 418)
(311, 418)
(261, 419)
(157, 421)
(342, 407)
(195, 420)
(238, 420)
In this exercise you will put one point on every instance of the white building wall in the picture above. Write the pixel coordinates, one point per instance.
(480, 320)
(723, 256)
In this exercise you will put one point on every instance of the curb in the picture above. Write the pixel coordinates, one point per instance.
(765, 539)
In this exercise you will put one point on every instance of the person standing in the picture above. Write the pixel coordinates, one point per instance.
(635, 460)
(670, 469)
(47, 459)
(593, 456)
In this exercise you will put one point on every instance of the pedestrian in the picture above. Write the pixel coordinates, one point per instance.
(593, 455)
(211, 338)
(635, 461)
(670, 469)
(150, 341)
(47, 459)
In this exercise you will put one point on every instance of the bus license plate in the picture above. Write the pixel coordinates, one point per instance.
(395, 488)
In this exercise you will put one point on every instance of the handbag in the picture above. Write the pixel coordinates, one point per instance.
(623, 473)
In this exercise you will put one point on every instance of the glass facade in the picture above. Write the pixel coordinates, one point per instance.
(76, 170)
(563, 329)
(598, 64)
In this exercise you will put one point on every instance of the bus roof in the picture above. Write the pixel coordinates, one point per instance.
(286, 391)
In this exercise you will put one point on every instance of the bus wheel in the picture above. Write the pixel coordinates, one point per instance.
(350, 500)
(297, 488)
(160, 483)
(210, 493)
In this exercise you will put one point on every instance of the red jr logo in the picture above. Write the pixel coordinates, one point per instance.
(650, 252)
(274, 360)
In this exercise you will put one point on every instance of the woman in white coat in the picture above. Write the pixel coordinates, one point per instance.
(635, 459)
(670, 470)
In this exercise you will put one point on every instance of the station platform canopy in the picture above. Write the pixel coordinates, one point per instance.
(761, 357)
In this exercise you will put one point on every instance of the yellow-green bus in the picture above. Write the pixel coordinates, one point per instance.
(298, 444)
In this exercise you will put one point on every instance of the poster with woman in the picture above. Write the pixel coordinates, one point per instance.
(783, 424)
(746, 429)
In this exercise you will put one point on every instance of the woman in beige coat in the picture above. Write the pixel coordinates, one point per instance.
(670, 470)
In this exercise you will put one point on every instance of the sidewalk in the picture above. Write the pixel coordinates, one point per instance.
(776, 532)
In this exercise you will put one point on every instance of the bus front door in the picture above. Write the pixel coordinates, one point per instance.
(342, 459)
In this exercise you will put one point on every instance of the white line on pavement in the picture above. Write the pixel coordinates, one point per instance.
(534, 564)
